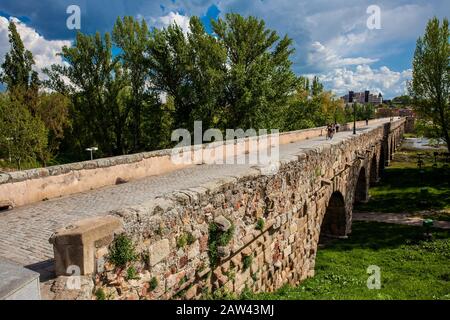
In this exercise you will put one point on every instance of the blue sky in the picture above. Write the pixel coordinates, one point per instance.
(331, 38)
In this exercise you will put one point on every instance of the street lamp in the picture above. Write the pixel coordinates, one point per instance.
(351, 95)
(366, 102)
(91, 149)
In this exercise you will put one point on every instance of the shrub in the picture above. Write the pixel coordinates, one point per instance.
(182, 241)
(100, 294)
(260, 224)
(132, 273)
(247, 262)
(190, 238)
(185, 239)
(153, 284)
(216, 239)
(122, 251)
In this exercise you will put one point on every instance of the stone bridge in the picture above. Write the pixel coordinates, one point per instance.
(196, 228)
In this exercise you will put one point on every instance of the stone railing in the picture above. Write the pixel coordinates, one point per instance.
(24, 187)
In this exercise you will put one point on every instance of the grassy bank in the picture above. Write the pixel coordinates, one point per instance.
(405, 187)
(410, 267)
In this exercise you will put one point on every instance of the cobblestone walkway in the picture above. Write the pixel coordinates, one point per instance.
(25, 230)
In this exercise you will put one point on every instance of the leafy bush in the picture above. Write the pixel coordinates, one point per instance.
(247, 262)
(153, 284)
(122, 251)
(132, 273)
(185, 239)
(216, 239)
(100, 294)
(260, 224)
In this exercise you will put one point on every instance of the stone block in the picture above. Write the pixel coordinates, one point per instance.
(222, 223)
(158, 251)
(75, 245)
(18, 283)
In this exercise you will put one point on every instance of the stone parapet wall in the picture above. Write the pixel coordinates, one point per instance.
(24, 187)
(274, 223)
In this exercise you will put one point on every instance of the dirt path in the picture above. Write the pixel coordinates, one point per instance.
(399, 218)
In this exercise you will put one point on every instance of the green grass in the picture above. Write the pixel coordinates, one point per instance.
(410, 268)
(400, 187)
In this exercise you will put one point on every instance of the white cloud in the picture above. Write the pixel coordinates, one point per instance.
(44, 51)
(169, 19)
(383, 80)
(326, 58)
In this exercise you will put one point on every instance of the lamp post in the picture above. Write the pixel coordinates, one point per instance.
(351, 95)
(92, 149)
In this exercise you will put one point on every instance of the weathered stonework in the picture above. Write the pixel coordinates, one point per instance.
(310, 196)
(83, 244)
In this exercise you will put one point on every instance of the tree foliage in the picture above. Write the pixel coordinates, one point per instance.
(17, 68)
(98, 87)
(126, 91)
(22, 135)
(430, 86)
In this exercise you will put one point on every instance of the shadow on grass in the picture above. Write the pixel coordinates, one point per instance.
(378, 235)
(400, 191)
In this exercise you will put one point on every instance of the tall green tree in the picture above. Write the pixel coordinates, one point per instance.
(316, 87)
(95, 81)
(22, 135)
(169, 65)
(430, 86)
(17, 68)
(259, 77)
(191, 69)
(132, 38)
(53, 110)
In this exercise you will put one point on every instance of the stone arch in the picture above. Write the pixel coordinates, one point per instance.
(374, 170)
(334, 223)
(361, 188)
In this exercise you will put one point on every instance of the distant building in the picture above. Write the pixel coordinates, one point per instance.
(360, 97)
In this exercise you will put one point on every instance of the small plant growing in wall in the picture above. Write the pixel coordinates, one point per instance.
(218, 238)
(100, 294)
(231, 274)
(183, 280)
(181, 241)
(317, 172)
(122, 251)
(260, 224)
(246, 294)
(153, 284)
(185, 239)
(132, 273)
(247, 262)
(190, 238)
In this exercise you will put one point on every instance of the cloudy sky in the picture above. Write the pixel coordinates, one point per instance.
(331, 37)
